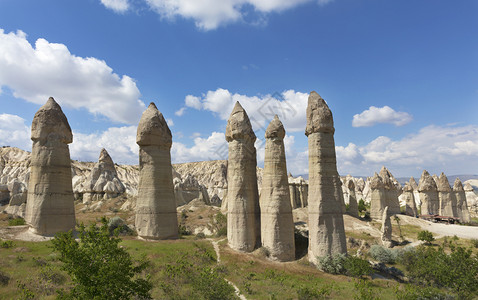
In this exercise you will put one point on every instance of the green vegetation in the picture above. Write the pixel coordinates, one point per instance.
(16, 222)
(98, 267)
(426, 236)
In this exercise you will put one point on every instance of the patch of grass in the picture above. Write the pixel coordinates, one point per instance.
(16, 222)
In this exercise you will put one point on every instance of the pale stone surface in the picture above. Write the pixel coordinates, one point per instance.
(298, 188)
(277, 224)
(413, 183)
(461, 205)
(103, 181)
(243, 213)
(353, 205)
(409, 199)
(377, 198)
(386, 229)
(326, 223)
(427, 189)
(50, 204)
(447, 201)
(390, 191)
(156, 216)
(471, 198)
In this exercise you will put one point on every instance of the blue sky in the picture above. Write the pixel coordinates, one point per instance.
(401, 77)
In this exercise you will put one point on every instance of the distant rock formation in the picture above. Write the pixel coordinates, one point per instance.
(461, 205)
(352, 199)
(471, 198)
(447, 199)
(103, 181)
(409, 198)
(188, 188)
(298, 189)
(277, 224)
(428, 191)
(326, 223)
(391, 191)
(377, 197)
(156, 216)
(243, 212)
(50, 204)
(386, 229)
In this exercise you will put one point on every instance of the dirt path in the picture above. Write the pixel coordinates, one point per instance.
(215, 244)
(441, 229)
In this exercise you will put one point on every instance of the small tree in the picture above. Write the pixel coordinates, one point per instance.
(100, 268)
(426, 236)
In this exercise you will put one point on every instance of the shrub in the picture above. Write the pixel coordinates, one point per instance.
(426, 236)
(363, 290)
(357, 267)
(118, 224)
(474, 242)
(6, 244)
(201, 235)
(16, 222)
(382, 254)
(4, 278)
(361, 205)
(220, 224)
(333, 264)
(98, 267)
(305, 293)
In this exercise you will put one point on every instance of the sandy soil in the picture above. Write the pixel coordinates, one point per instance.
(467, 232)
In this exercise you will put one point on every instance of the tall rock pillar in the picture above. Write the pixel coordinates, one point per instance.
(353, 206)
(461, 205)
(377, 198)
(156, 216)
(409, 197)
(428, 192)
(277, 224)
(50, 203)
(326, 223)
(446, 198)
(243, 213)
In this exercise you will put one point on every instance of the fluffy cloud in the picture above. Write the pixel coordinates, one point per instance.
(375, 115)
(450, 149)
(119, 6)
(210, 14)
(211, 148)
(290, 106)
(14, 132)
(49, 69)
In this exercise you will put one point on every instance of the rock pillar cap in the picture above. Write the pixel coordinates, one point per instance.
(427, 183)
(239, 126)
(319, 116)
(458, 186)
(442, 184)
(275, 129)
(50, 120)
(153, 129)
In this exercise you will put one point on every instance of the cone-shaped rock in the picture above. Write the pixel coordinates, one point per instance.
(427, 189)
(413, 183)
(353, 206)
(446, 197)
(277, 224)
(156, 205)
(243, 214)
(377, 198)
(461, 206)
(390, 192)
(103, 181)
(50, 202)
(386, 229)
(409, 198)
(326, 223)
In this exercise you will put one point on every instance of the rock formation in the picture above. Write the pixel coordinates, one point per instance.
(427, 189)
(377, 197)
(390, 191)
(326, 223)
(353, 206)
(243, 213)
(156, 206)
(277, 224)
(298, 188)
(447, 201)
(50, 204)
(471, 198)
(386, 229)
(416, 194)
(103, 181)
(461, 206)
(188, 188)
(409, 199)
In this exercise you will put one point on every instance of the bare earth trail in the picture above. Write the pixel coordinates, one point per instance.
(461, 231)
(215, 244)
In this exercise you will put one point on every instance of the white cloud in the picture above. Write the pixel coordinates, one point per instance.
(450, 149)
(14, 132)
(49, 69)
(290, 106)
(375, 115)
(180, 112)
(211, 148)
(210, 14)
(170, 122)
(119, 6)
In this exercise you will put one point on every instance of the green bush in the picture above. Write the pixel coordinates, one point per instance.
(474, 242)
(4, 278)
(16, 222)
(357, 267)
(361, 205)
(118, 224)
(7, 244)
(382, 254)
(363, 290)
(98, 267)
(426, 236)
(305, 293)
(457, 271)
(220, 224)
(333, 264)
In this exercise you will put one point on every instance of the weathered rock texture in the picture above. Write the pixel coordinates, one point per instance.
(243, 213)
(103, 181)
(416, 194)
(50, 204)
(386, 229)
(277, 224)
(390, 191)
(461, 206)
(156, 205)
(377, 198)
(427, 189)
(447, 199)
(326, 223)
(471, 198)
(352, 199)
(409, 199)
(299, 188)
